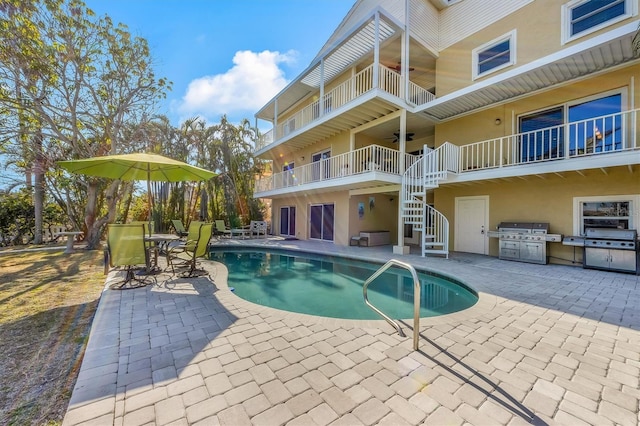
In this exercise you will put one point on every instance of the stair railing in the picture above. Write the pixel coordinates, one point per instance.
(416, 298)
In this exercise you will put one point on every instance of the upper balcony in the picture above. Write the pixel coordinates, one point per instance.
(340, 105)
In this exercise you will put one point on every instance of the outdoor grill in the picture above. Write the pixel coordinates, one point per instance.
(612, 249)
(524, 241)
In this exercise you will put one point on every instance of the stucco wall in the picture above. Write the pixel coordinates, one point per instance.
(549, 198)
(538, 26)
(383, 216)
(481, 125)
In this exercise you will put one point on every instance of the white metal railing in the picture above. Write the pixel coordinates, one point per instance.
(388, 80)
(593, 136)
(418, 95)
(436, 232)
(416, 298)
(372, 158)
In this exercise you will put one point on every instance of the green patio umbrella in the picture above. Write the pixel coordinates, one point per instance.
(149, 167)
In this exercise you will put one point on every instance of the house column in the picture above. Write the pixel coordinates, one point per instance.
(402, 141)
(321, 104)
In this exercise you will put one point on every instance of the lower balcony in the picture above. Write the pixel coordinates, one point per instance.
(367, 167)
(599, 142)
(604, 141)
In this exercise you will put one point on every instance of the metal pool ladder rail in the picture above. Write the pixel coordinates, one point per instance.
(416, 298)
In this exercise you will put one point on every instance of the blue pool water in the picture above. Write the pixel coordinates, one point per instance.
(331, 286)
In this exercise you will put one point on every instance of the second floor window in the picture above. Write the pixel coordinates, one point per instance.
(585, 16)
(495, 55)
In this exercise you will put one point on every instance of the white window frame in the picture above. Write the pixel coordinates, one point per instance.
(475, 53)
(630, 9)
(634, 207)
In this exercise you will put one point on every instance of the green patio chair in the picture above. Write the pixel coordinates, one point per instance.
(149, 226)
(126, 248)
(221, 229)
(187, 254)
(181, 231)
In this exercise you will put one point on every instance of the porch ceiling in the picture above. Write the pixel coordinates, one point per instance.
(591, 56)
(369, 109)
(346, 52)
(379, 183)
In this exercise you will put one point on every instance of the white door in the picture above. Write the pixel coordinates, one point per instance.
(472, 223)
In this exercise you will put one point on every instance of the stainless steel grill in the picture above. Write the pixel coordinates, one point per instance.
(612, 249)
(524, 241)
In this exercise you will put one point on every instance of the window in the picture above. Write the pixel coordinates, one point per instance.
(604, 212)
(288, 176)
(495, 55)
(320, 165)
(542, 135)
(582, 17)
(591, 125)
(596, 125)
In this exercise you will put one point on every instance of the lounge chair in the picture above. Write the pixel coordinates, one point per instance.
(126, 248)
(191, 250)
(181, 231)
(221, 229)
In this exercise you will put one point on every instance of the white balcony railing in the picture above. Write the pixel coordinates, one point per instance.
(593, 136)
(388, 80)
(372, 158)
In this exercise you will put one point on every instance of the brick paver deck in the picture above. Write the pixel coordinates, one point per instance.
(546, 344)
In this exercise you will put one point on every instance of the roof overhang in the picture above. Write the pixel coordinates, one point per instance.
(346, 52)
(602, 52)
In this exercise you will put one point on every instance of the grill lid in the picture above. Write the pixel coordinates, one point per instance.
(611, 234)
(526, 226)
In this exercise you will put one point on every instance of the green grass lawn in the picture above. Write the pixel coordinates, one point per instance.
(47, 303)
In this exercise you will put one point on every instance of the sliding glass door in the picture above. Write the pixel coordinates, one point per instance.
(321, 222)
(288, 221)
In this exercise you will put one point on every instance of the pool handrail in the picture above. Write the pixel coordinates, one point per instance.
(416, 298)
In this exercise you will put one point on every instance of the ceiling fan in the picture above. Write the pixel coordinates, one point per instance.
(408, 137)
(398, 67)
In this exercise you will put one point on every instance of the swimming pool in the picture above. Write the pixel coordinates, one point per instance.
(331, 286)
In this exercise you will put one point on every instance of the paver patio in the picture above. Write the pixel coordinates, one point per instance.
(546, 344)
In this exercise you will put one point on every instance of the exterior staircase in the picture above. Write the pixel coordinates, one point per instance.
(422, 176)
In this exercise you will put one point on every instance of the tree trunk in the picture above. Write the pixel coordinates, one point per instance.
(94, 224)
(38, 192)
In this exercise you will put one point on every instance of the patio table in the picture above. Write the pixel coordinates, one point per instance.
(162, 242)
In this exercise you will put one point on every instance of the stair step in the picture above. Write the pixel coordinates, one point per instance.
(433, 244)
(445, 252)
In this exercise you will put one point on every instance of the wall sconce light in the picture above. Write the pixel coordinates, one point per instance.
(302, 158)
(498, 121)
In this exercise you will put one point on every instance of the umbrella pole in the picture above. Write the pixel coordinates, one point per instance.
(150, 197)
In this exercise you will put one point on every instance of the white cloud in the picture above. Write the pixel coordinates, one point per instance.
(252, 81)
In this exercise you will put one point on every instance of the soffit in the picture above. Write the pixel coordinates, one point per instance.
(347, 52)
(595, 55)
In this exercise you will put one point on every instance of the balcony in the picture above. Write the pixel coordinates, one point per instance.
(608, 134)
(599, 142)
(340, 99)
(364, 167)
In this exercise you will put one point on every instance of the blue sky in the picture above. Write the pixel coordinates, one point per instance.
(227, 57)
